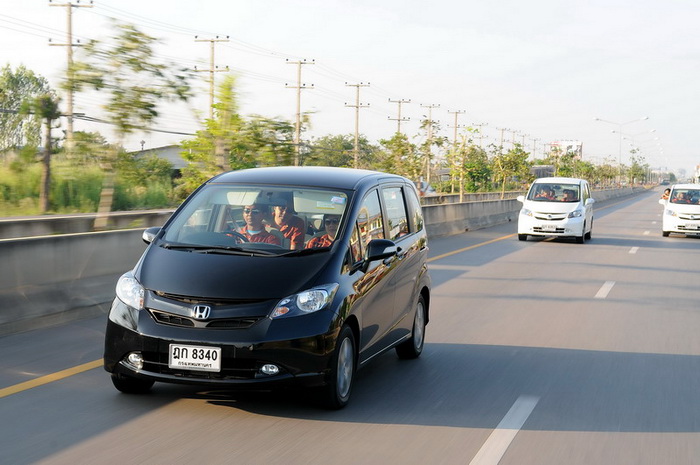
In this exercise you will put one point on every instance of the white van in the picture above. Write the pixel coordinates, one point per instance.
(682, 210)
(557, 207)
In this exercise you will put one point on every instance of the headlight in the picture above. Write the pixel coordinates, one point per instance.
(576, 213)
(309, 301)
(130, 291)
(525, 211)
(670, 212)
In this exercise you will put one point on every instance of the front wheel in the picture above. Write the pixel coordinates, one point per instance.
(413, 347)
(665, 233)
(336, 392)
(131, 385)
(522, 237)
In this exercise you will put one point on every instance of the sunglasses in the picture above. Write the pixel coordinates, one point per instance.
(333, 221)
(248, 211)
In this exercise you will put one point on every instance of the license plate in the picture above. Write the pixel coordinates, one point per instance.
(691, 226)
(549, 227)
(198, 358)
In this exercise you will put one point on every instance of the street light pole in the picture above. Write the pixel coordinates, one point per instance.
(619, 126)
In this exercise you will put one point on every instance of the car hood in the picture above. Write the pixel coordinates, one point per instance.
(221, 276)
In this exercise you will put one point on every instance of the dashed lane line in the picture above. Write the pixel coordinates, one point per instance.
(495, 447)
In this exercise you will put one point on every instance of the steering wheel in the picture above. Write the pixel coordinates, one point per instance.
(238, 237)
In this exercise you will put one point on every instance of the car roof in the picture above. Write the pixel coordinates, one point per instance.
(559, 180)
(316, 176)
(685, 186)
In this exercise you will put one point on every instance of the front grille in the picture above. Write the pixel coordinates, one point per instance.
(185, 322)
(550, 216)
(189, 300)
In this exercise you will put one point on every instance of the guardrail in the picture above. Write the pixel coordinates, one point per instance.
(52, 279)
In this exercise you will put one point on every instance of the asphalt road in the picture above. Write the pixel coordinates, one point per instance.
(538, 352)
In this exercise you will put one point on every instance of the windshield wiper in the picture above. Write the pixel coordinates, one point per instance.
(222, 249)
(299, 253)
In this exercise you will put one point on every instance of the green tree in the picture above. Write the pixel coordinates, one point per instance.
(511, 165)
(231, 142)
(126, 69)
(399, 156)
(45, 107)
(16, 87)
(331, 150)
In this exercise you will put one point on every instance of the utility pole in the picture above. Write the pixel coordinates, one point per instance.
(212, 69)
(69, 71)
(430, 138)
(454, 155)
(298, 87)
(357, 106)
(481, 133)
(534, 148)
(398, 119)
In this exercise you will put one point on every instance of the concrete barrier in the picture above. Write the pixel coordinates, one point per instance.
(52, 279)
(80, 222)
(48, 280)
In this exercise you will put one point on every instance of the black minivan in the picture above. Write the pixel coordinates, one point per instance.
(226, 296)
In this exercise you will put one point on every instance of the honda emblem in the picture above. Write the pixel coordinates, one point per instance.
(201, 312)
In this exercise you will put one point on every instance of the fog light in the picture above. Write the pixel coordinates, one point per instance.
(270, 369)
(135, 359)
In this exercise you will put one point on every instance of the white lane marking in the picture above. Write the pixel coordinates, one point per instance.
(605, 288)
(653, 222)
(497, 443)
(646, 233)
(634, 249)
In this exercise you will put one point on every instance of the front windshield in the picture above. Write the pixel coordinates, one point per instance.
(685, 196)
(258, 219)
(554, 192)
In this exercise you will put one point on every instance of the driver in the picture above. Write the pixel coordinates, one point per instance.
(254, 229)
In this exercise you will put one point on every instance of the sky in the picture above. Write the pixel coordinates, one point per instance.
(532, 72)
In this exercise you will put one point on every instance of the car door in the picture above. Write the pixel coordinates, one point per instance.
(406, 265)
(376, 307)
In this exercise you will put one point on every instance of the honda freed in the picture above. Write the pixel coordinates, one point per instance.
(208, 303)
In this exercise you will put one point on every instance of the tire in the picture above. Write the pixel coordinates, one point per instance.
(665, 233)
(582, 238)
(522, 237)
(413, 347)
(131, 385)
(589, 234)
(336, 392)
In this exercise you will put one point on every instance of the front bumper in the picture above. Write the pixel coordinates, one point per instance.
(680, 225)
(303, 356)
(550, 227)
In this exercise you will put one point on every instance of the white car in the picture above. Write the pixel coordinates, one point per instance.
(682, 210)
(557, 207)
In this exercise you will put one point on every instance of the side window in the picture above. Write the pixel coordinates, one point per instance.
(369, 220)
(396, 212)
(355, 246)
(416, 214)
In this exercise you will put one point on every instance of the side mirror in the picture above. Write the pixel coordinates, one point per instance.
(590, 201)
(520, 198)
(379, 249)
(663, 201)
(150, 234)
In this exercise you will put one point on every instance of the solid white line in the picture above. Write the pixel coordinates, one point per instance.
(634, 249)
(497, 443)
(646, 233)
(605, 288)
